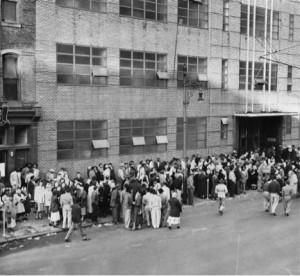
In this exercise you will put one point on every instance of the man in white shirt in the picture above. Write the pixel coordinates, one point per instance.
(221, 191)
(15, 179)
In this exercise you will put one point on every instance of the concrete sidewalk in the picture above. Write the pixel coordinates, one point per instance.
(33, 228)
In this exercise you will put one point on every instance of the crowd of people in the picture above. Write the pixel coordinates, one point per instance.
(151, 192)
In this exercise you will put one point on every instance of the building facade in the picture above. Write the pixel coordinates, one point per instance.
(18, 135)
(109, 78)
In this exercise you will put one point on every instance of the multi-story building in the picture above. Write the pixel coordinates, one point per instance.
(18, 138)
(110, 81)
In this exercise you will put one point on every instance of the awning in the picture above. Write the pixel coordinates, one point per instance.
(163, 75)
(100, 144)
(224, 121)
(265, 114)
(162, 139)
(139, 141)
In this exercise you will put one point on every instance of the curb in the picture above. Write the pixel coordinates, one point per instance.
(45, 233)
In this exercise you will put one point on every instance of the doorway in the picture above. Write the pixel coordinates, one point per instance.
(21, 157)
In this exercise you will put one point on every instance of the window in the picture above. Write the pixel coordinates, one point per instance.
(3, 135)
(9, 11)
(10, 77)
(21, 134)
(139, 69)
(81, 65)
(224, 74)
(258, 74)
(195, 66)
(224, 129)
(138, 136)
(195, 133)
(145, 9)
(290, 78)
(192, 13)
(225, 15)
(89, 5)
(260, 22)
(291, 28)
(79, 139)
(288, 125)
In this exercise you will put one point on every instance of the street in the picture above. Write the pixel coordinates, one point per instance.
(245, 240)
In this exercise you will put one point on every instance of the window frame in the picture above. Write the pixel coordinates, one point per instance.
(196, 132)
(224, 131)
(79, 137)
(90, 5)
(182, 10)
(136, 69)
(147, 128)
(6, 80)
(291, 27)
(191, 72)
(260, 24)
(258, 70)
(144, 10)
(76, 65)
(224, 83)
(225, 15)
(7, 21)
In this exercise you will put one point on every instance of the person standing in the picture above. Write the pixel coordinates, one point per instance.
(267, 202)
(66, 202)
(287, 193)
(76, 222)
(146, 205)
(127, 207)
(137, 221)
(274, 190)
(190, 190)
(39, 198)
(175, 210)
(54, 209)
(221, 191)
(164, 207)
(95, 201)
(114, 203)
(155, 207)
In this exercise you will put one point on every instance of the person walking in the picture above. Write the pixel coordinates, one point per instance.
(175, 210)
(221, 191)
(66, 202)
(114, 203)
(266, 193)
(287, 193)
(274, 190)
(76, 221)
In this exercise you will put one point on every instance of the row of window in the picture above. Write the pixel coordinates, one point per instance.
(85, 139)
(192, 13)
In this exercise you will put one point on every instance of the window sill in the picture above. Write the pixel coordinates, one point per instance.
(11, 24)
(81, 85)
(144, 19)
(201, 28)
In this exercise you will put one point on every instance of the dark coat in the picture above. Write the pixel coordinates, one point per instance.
(54, 204)
(76, 213)
(175, 207)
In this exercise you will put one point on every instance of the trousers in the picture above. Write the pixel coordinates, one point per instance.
(155, 217)
(266, 201)
(73, 225)
(67, 215)
(127, 218)
(287, 202)
(274, 202)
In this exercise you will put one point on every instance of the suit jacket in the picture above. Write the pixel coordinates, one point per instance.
(15, 179)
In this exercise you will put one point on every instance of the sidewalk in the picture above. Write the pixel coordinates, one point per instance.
(35, 228)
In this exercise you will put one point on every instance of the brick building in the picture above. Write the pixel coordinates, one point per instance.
(109, 78)
(18, 139)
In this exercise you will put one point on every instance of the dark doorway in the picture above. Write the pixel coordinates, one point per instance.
(259, 132)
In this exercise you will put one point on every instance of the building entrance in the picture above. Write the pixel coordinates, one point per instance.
(259, 132)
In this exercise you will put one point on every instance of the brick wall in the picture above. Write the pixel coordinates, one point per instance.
(112, 102)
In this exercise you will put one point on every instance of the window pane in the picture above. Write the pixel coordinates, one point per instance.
(126, 141)
(62, 48)
(62, 145)
(83, 153)
(100, 80)
(65, 79)
(65, 125)
(10, 89)
(82, 134)
(125, 123)
(65, 135)
(99, 134)
(82, 125)
(83, 144)
(83, 79)
(9, 12)
(82, 4)
(125, 132)
(99, 152)
(99, 124)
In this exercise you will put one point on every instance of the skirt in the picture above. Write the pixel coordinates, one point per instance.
(55, 216)
(173, 220)
(41, 207)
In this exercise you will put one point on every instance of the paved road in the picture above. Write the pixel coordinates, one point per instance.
(245, 240)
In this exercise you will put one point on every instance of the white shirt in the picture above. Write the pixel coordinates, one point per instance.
(221, 190)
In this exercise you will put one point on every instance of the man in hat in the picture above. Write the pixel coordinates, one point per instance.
(274, 190)
(221, 191)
